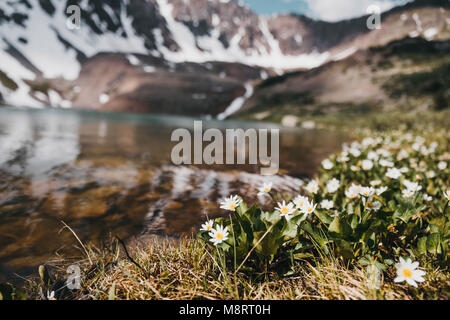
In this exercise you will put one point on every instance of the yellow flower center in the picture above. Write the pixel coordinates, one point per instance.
(284, 210)
(232, 206)
(309, 209)
(370, 204)
(208, 228)
(407, 273)
(219, 236)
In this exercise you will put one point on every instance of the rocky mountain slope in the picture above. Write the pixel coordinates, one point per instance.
(412, 73)
(198, 57)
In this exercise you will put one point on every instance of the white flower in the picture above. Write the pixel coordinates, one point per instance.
(420, 140)
(407, 271)
(354, 168)
(408, 137)
(230, 203)
(51, 295)
(408, 193)
(384, 153)
(327, 204)
(333, 185)
(208, 225)
(266, 188)
(285, 210)
(447, 195)
(300, 201)
(431, 174)
(442, 165)
(381, 190)
(434, 145)
(393, 173)
(372, 155)
(309, 207)
(357, 187)
(403, 154)
(375, 183)
(368, 142)
(218, 235)
(356, 145)
(343, 158)
(370, 205)
(367, 165)
(312, 187)
(367, 192)
(354, 152)
(404, 170)
(427, 197)
(345, 147)
(413, 186)
(386, 163)
(327, 164)
(352, 192)
(425, 151)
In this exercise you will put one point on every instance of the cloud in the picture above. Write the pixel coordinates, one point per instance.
(333, 10)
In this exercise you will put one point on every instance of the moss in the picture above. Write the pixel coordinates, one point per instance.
(7, 81)
(434, 83)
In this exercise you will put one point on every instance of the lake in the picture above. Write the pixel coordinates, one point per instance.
(111, 174)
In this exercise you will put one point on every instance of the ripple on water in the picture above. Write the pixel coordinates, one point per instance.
(108, 174)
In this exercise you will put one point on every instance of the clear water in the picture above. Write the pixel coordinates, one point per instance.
(111, 174)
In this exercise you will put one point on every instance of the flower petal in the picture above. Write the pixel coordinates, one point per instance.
(411, 282)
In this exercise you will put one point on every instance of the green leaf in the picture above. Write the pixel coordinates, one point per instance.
(355, 222)
(326, 219)
(268, 247)
(316, 234)
(422, 245)
(433, 243)
(340, 227)
(272, 217)
(303, 255)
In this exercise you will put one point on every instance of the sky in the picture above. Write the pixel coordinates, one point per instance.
(329, 10)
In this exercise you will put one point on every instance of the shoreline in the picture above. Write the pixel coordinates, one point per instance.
(186, 268)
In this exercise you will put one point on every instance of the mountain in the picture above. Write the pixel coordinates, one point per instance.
(197, 57)
(412, 73)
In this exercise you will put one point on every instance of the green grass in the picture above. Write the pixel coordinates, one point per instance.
(184, 269)
(187, 268)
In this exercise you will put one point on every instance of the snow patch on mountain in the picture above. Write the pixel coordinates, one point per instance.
(209, 48)
(345, 54)
(16, 72)
(237, 104)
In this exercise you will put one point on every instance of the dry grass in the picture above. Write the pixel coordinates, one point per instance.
(185, 270)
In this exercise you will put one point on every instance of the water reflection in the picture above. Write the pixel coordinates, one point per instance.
(111, 173)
